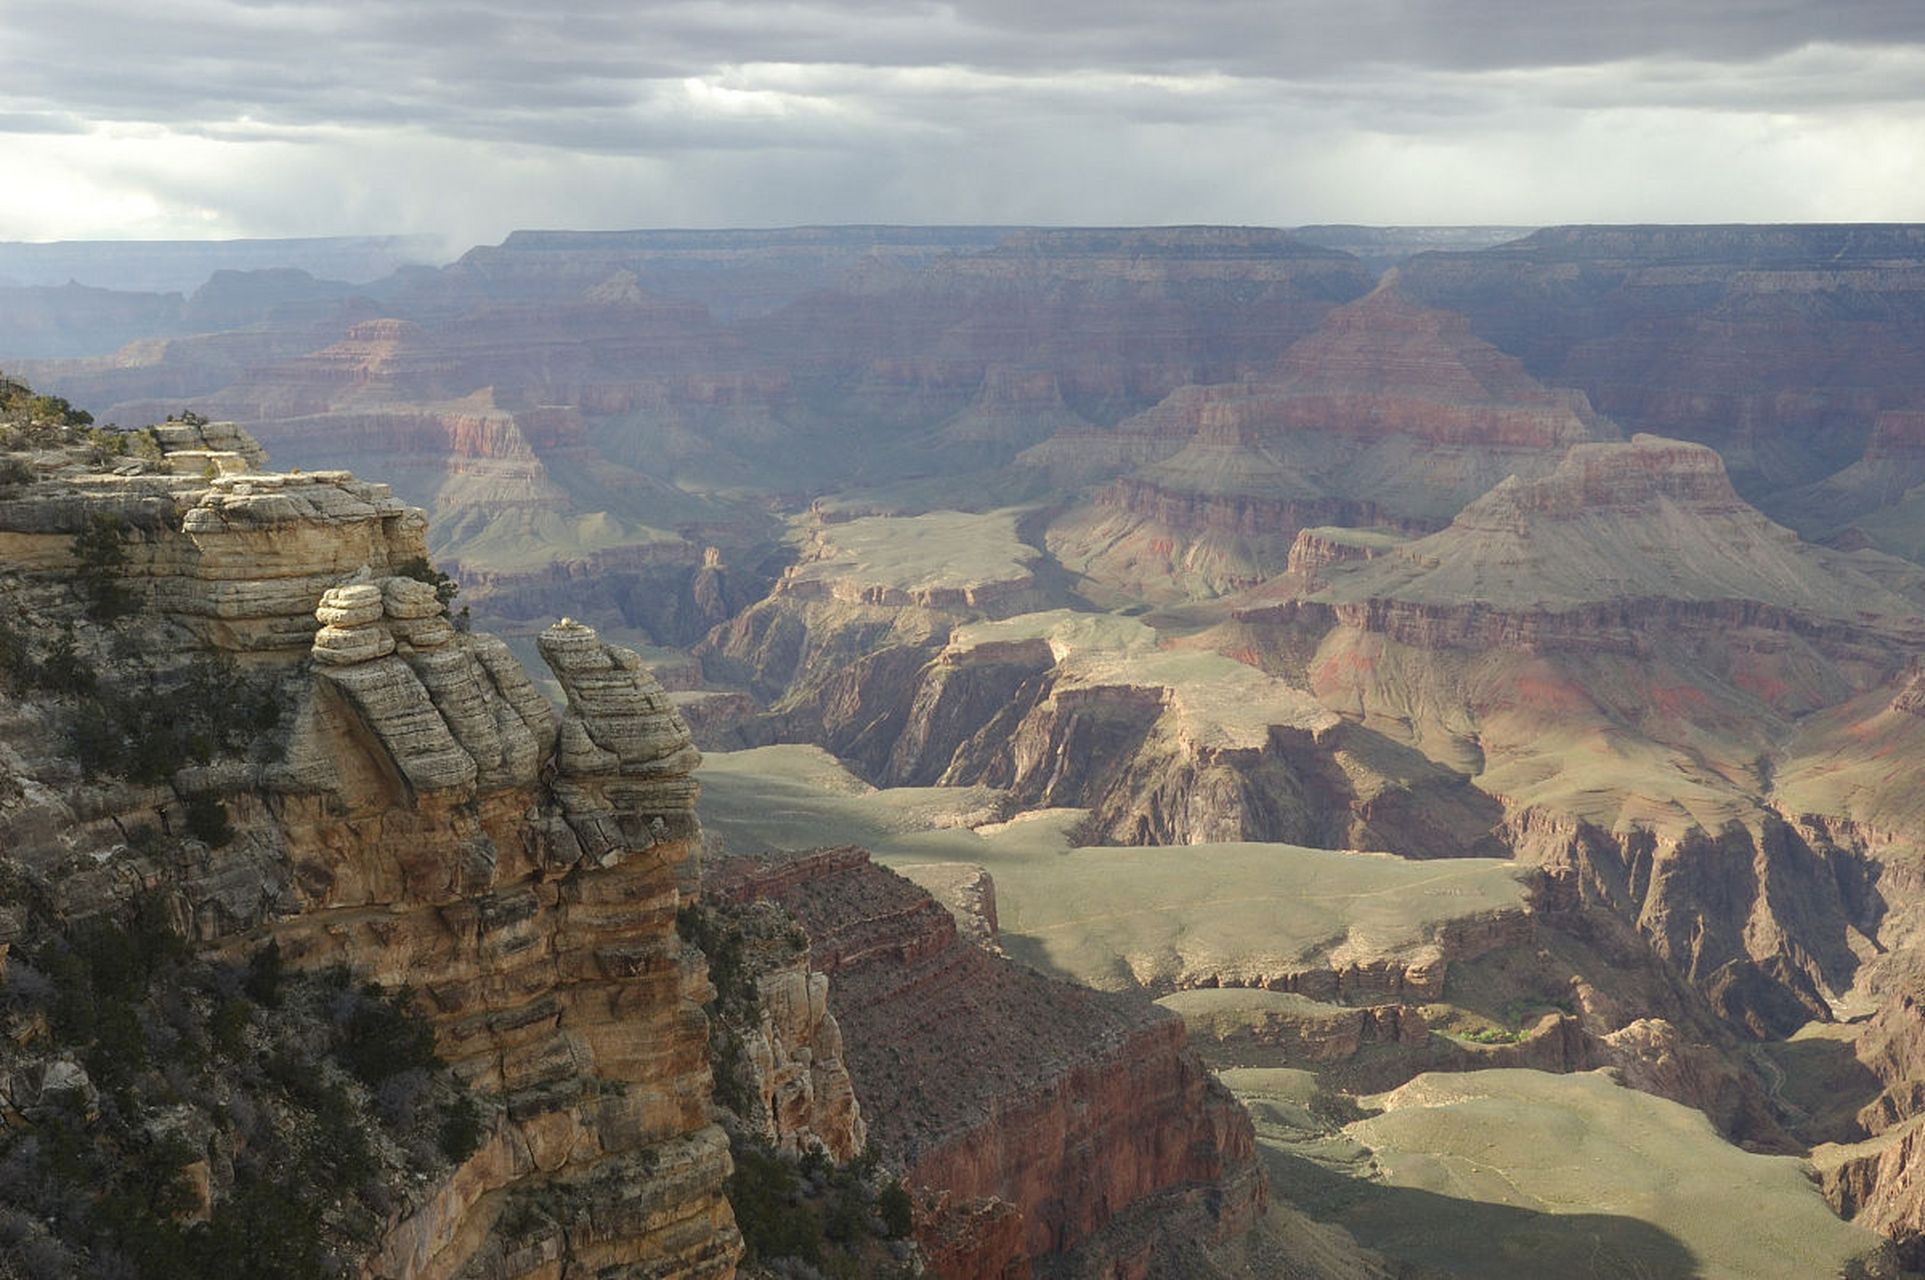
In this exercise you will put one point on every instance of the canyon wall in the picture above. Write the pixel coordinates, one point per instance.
(993, 1084)
(421, 816)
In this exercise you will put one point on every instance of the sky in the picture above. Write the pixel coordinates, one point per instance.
(470, 118)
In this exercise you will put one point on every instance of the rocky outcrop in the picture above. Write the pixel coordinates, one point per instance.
(1871, 1171)
(237, 556)
(866, 604)
(1066, 710)
(798, 1071)
(427, 821)
(1768, 921)
(777, 1049)
(1875, 1183)
(1569, 559)
(990, 1083)
(540, 932)
(1315, 550)
(941, 560)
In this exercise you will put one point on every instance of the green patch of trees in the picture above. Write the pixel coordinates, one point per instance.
(306, 1084)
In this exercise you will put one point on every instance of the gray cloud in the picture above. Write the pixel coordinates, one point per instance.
(258, 117)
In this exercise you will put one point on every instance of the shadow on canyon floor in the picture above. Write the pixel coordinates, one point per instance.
(1817, 1078)
(1434, 1236)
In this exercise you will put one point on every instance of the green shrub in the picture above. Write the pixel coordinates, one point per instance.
(265, 973)
(898, 1213)
(228, 1026)
(460, 1133)
(145, 733)
(63, 670)
(102, 554)
(158, 1029)
(445, 588)
(1493, 1035)
(381, 1038)
(207, 821)
(107, 443)
(763, 1191)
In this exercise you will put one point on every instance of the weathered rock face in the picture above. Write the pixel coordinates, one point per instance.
(75, 320)
(1875, 1184)
(238, 557)
(736, 273)
(1118, 318)
(1064, 711)
(869, 597)
(991, 1083)
(1776, 345)
(1619, 652)
(1871, 1170)
(776, 1048)
(1389, 414)
(540, 933)
(1875, 501)
(1623, 542)
(429, 822)
(799, 1075)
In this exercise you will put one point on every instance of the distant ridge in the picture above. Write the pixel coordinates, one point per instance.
(182, 266)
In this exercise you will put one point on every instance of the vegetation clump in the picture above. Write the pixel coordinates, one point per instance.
(445, 587)
(1492, 1035)
(145, 730)
(29, 420)
(838, 1219)
(197, 1117)
(101, 551)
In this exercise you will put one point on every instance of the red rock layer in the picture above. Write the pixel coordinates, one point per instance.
(1120, 317)
(1388, 414)
(992, 1082)
(1777, 344)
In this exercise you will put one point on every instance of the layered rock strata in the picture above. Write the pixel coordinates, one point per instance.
(1776, 345)
(428, 821)
(777, 1049)
(1388, 414)
(537, 922)
(990, 1083)
(1068, 710)
(1619, 651)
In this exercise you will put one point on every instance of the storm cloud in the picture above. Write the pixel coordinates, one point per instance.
(472, 117)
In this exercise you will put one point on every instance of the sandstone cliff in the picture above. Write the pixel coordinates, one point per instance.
(1619, 651)
(992, 1084)
(1064, 710)
(422, 816)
